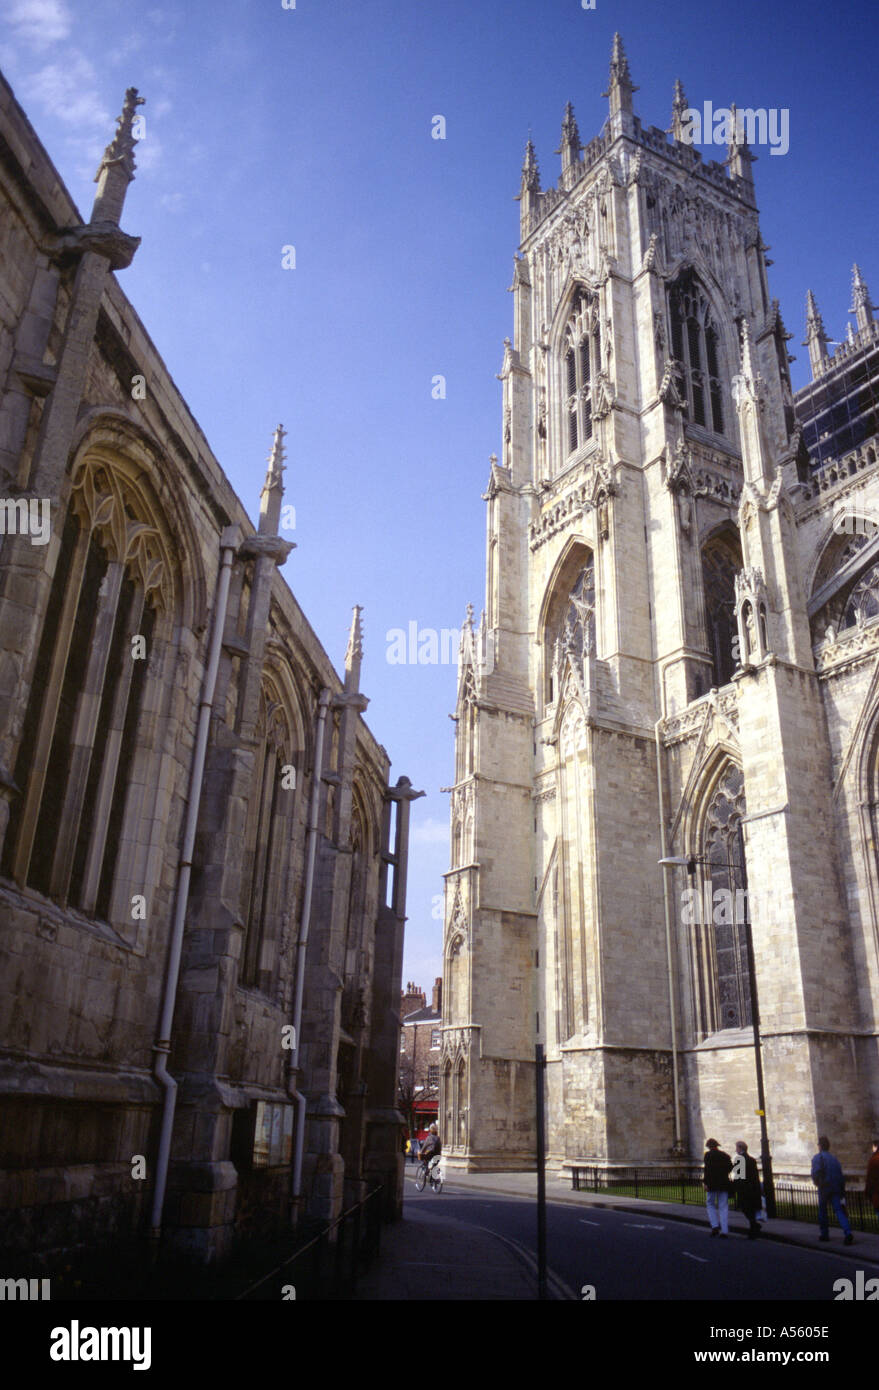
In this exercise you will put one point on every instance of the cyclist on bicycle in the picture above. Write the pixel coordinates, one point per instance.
(431, 1148)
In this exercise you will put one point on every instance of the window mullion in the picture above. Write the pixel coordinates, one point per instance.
(263, 823)
(107, 782)
(83, 734)
(49, 715)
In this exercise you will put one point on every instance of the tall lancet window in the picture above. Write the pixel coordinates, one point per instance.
(723, 846)
(572, 636)
(354, 930)
(266, 839)
(721, 561)
(696, 348)
(80, 765)
(466, 732)
(581, 363)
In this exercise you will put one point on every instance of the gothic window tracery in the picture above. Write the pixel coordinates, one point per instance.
(466, 733)
(447, 1099)
(863, 601)
(82, 731)
(460, 1106)
(581, 366)
(856, 601)
(720, 935)
(572, 638)
(721, 561)
(358, 843)
(266, 836)
(696, 347)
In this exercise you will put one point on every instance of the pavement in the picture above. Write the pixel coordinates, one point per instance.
(426, 1255)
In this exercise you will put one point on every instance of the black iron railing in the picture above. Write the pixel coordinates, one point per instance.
(794, 1201)
(329, 1265)
(654, 1184)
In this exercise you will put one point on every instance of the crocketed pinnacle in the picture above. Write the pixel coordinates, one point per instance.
(570, 130)
(861, 304)
(678, 107)
(814, 321)
(530, 171)
(619, 65)
(274, 476)
(120, 151)
(354, 650)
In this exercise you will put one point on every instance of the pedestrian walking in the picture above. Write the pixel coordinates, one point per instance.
(747, 1187)
(872, 1185)
(715, 1177)
(828, 1178)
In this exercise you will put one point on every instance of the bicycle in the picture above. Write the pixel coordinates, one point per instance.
(430, 1171)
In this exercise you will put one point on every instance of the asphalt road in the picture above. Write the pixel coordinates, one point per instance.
(624, 1255)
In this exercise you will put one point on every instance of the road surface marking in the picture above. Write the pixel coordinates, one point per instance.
(589, 1223)
(694, 1257)
(634, 1226)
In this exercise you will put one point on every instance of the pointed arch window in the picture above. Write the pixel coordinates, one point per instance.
(721, 562)
(696, 348)
(856, 601)
(267, 836)
(720, 941)
(572, 635)
(581, 363)
(83, 728)
(354, 929)
(466, 728)
(447, 1102)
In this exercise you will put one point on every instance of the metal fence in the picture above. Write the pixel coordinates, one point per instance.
(329, 1265)
(794, 1201)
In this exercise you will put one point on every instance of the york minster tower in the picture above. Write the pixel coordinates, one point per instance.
(676, 661)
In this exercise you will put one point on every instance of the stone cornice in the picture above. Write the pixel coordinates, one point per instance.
(676, 727)
(849, 648)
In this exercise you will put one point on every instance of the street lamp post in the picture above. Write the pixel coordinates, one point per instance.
(689, 863)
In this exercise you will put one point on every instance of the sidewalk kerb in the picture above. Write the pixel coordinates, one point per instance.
(631, 1206)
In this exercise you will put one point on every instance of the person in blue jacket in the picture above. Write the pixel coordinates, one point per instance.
(828, 1177)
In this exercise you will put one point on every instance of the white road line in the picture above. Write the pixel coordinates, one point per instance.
(694, 1257)
(589, 1223)
(634, 1226)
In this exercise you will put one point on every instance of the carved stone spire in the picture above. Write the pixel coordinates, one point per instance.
(116, 169)
(528, 196)
(621, 87)
(749, 395)
(570, 146)
(861, 305)
(273, 488)
(678, 107)
(816, 338)
(530, 171)
(739, 157)
(748, 369)
(354, 652)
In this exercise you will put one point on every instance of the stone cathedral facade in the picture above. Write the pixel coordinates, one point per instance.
(202, 859)
(678, 660)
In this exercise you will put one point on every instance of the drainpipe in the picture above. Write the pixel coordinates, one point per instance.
(229, 542)
(666, 869)
(304, 923)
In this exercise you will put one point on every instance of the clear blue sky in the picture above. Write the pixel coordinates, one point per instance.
(311, 127)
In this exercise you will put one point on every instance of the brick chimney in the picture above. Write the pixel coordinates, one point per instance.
(411, 998)
(436, 1002)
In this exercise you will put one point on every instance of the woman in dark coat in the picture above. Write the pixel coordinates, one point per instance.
(748, 1188)
(872, 1186)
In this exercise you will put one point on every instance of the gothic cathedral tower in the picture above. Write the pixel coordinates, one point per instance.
(642, 687)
